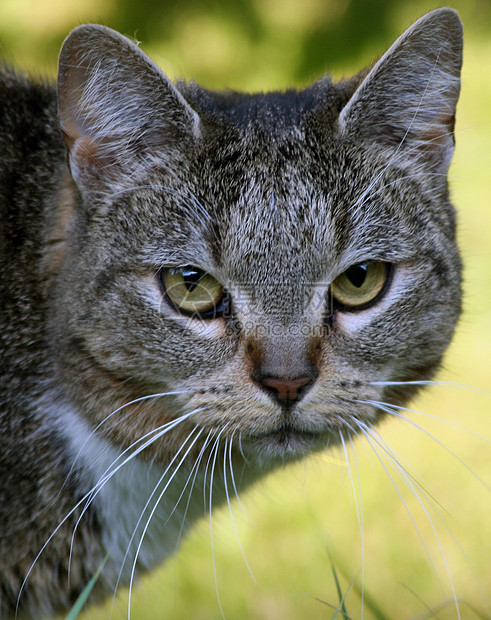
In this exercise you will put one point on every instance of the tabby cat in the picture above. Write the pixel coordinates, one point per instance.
(195, 281)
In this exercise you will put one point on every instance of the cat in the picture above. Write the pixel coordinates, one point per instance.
(197, 281)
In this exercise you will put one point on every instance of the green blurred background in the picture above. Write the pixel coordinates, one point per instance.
(301, 521)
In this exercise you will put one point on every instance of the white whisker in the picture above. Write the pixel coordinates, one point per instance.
(90, 495)
(397, 459)
(110, 471)
(375, 435)
(192, 477)
(425, 382)
(232, 476)
(132, 402)
(174, 458)
(241, 449)
(434, 417)
(358, 498)
(366, 433)
(391, 410)
(227, 495)
(207, 466)
(214, 451)
(166, 486)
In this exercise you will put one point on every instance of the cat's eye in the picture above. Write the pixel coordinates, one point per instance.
(360, 284)
(193, 291)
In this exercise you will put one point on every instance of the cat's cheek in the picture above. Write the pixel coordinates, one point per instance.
(207, 329)
(352, 322)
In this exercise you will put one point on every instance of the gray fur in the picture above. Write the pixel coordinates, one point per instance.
(275, 195)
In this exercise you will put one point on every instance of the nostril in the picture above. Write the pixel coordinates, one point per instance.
(286, 391)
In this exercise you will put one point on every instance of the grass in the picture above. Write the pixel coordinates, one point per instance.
(84, 596)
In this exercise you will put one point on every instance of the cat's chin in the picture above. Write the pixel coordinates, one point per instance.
(285, 443)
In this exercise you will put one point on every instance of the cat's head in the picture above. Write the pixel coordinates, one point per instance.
(273, 260)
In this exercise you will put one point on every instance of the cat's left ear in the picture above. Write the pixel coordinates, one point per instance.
(407, 100)
(120, 115)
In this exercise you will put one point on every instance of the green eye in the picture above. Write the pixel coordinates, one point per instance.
(360, 284)
(193, 291)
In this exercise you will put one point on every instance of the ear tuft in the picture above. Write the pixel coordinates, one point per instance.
(407, 100)
(119, 113)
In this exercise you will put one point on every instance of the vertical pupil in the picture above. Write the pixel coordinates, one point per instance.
(357, 274)
(191, 278)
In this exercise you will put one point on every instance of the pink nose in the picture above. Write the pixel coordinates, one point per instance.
(286, 391)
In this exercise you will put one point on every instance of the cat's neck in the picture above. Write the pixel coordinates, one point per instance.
(143, 509)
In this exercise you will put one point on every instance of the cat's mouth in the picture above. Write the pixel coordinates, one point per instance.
(286, 441)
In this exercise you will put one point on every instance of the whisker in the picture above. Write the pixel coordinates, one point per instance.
(438, 418)
(232, 476)
(102, 480)
(132, 402)
(241, 449)
(396, 457)
(359, 514)
(166, 486)
(227, 495)
(192, 476)
(365, 430)
(212, 472)
(415, 476)
(110, 471)
(208, 461)
(424, 382)
(195, 469)
(390, 409)
(174, 458)
(407, 479)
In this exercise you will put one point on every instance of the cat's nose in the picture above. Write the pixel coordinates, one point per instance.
(287, 392)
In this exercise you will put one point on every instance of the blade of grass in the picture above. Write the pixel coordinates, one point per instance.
(84, 595)
(336, 609)
(368, 600)
(338, 588)
(342, 597)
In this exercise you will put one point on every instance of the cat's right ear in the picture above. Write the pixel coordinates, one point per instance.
(120, 115)
(407, 100)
